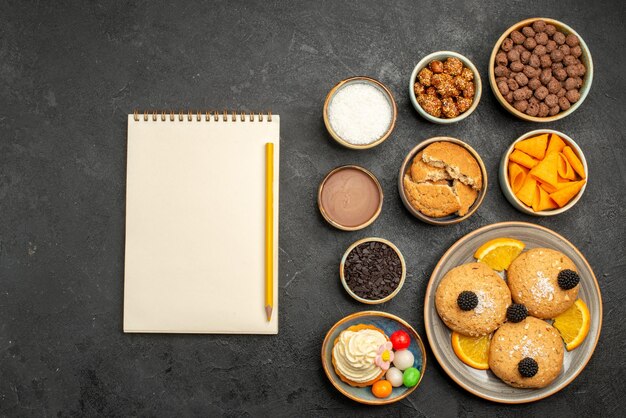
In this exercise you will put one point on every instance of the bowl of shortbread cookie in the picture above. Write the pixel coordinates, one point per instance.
(442, 181)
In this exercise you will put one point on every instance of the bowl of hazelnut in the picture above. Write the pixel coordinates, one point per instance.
(445, 87)
(540, 70)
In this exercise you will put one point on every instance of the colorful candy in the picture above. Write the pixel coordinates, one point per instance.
(400, 340)
(382, 389)
(403, 359)
(394, 376)
(411, 377)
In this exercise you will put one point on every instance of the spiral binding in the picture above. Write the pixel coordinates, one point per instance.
(198, 116)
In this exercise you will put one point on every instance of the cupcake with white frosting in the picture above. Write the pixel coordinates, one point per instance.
(361, 355)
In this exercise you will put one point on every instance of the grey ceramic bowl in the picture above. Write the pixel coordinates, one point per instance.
(442, 55)
(585, 58)
(484, 383)
(503, 175)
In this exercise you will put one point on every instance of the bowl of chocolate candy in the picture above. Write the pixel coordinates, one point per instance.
(540, 70)
(445, 87)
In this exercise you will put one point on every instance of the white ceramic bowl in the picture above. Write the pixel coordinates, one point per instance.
(503, 175)
(442, 55)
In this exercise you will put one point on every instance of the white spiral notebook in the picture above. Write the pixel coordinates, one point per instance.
(195, 219)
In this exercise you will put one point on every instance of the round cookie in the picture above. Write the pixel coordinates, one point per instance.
(533, 280)
(531, 338)
(492, 294)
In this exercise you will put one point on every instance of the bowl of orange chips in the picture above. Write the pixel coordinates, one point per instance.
(543, 173)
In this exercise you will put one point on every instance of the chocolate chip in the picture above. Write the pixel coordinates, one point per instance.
(373, 270)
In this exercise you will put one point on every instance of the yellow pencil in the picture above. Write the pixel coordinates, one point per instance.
(269, 229)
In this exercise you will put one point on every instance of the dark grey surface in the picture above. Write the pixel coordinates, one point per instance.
(70, 73)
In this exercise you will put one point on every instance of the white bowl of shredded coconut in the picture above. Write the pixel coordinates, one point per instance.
(360, 112)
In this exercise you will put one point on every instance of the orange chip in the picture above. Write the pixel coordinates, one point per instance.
(523, 159)
(565, 169)
(542, 201)
(573, 159)
(567, 193)
(555, 144)
(548, 188)
(517, 175)
(528, 190)
(546, 170)
(535, 146)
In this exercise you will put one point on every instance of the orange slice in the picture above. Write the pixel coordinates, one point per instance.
(499, 253)
(573, 324)
(473, 351)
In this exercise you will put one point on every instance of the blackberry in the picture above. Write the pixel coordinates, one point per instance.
(527, 367)
(568, 279)
(516, 312)
(467, 300)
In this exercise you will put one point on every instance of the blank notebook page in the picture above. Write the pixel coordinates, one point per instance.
(195, 226)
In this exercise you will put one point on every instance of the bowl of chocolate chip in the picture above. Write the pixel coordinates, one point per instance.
(540, 70)
(445, 87)
(372, 270)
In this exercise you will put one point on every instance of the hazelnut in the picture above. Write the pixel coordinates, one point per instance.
(581, 69)
(561, 93)
(527, 92)
(554, 110)
(551, 100)
(512, 55)
(539, 25)
(534, 61)
(550, 30)
(533, 100)
(503, 87)
(460, 82)
(520, 105)
(507, 44)
(524, 57)
(576, 51)
(431, 91)
(418, 89)
(559, 38)
(467, 74)
(572, 71)
(519, 48)
(531, 72)
(554, 86)
(499, 79)
(530, 43)
(556, 56)
(431, 104)
(551, 46)
(572, 96)
(436, 67)
(540, 50)
(518, 38)
(516, 66)
(564, 104)
(501, 71)
(541, 38)
(556, 65)
(544, 110)
(534, 83)
(571, 40)
(541, 93)
(561, 74)
(470, 90)
(509, 97)
(521, 79)
(570, 60)
(564, 49)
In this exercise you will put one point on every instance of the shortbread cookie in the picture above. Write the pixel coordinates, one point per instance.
(456, 160)
(472, 299)
(421, 171)
(435, 199)
(534, 343)
(466, 194)
(533, 280)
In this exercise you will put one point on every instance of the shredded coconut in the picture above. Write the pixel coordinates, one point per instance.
(360, 113)
(542, 288)
(484, 303)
